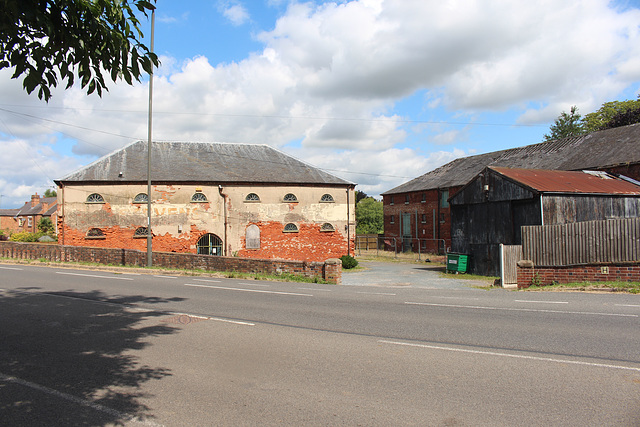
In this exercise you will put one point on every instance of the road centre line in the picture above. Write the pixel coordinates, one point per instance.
(627, 305)
(217, 319)
(94, 276)
(514, 356)
(476, 307)
(465, 298)
(164, 277)
(11, 268)
(255, 284)
(376, 293)
(314, 289)
(248, 290)
(541, 302)
(207, 280)
(78, 400)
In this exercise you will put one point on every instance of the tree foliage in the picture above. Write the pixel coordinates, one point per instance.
(566, 125)
(47, 41)
(369, 216)
(50, 193)
(613, 114)
(45, 225)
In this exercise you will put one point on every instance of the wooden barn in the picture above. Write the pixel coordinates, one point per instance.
(491, 208)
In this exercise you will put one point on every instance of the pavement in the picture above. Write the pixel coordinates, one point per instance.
(398, 274)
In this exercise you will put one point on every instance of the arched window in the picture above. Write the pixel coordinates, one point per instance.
(252, 197)
(141, 198)
(95, 198)
(210, 244)
(290, 197)
(95, 233)
(327, 198)
(141, 232)
(198, 197)
(327, 227)
(252, 237)
(291, 228)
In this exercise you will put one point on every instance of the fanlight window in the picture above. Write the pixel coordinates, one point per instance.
(141, 198)
(252, 197)
(141, 232)
(198, 197)
(210, 244)
(327, 227)
(95, 198)
(291, 228)
(95, 233)
(290, 197)
(328, 198)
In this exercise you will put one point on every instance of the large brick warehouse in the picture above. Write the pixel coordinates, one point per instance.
(242, 200)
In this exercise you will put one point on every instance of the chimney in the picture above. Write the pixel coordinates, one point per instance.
(35, 199)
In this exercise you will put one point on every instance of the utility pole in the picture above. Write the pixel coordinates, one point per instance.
(149, 234)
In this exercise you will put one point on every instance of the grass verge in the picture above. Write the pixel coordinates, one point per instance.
(613, 286)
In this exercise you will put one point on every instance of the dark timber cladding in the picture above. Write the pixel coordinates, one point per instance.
(492, 208)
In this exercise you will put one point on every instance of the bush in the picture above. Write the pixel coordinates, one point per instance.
(24, 236)
(348, 262)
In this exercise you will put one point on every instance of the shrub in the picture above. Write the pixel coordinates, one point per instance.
(348, 262)
(24, 236)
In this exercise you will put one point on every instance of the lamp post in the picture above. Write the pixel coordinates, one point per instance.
(149, 234)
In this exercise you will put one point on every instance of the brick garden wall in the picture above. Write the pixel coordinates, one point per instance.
(587, 273)
(330, 270)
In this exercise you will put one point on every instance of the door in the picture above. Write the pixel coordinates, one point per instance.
(406, 232)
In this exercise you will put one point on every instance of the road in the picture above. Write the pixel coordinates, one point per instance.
(82, 347)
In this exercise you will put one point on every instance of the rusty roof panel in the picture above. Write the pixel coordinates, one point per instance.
(553, 181)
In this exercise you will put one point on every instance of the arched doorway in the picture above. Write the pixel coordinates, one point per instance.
(210, 244)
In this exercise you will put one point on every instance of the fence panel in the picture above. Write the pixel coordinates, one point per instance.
(398, 247)
(582, 243)
(511, 254)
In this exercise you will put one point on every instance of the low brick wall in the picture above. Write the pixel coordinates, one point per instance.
(330, 270)
(586, 273)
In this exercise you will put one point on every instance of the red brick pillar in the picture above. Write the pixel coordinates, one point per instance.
(333, 271)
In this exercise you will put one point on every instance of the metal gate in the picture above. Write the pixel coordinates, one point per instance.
(509, 257)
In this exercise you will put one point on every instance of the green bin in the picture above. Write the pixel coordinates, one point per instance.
(457, 263)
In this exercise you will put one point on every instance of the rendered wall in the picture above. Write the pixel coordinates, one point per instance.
(178, 223)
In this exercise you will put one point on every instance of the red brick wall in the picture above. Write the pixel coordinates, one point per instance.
(330, 270)
(588, 273)
(309, 243)
(427, 208)
(630, 170)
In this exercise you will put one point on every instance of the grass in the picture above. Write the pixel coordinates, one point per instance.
(284, 277)
(613, 286)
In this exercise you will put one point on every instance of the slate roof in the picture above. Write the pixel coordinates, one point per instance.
(28, 210)
(9, 212)
(202, 162)
(563, 182)
(596, 150)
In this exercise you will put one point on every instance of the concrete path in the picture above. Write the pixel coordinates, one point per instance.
(415, 275)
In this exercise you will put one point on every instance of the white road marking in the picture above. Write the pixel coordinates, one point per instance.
(626, 305)
(542, 302)
(376, 293)
(515, 356)
(465, 298)
(95, 276)
(80, 401)
(217, 319)
(207, 280)
(164, 277)
(255, 284)
(476, 307)
(314, 289)
(11, 268)
(249, 290)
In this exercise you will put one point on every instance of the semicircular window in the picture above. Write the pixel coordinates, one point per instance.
(141, 232)
(198, 197)
(327, 198)
(291, 228)
(141, 198)
(95, 198)
(209, 244)
(327, 227)
(95, 233)
(290, 197)
(252, 197)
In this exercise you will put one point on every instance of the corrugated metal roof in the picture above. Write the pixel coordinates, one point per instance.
(596, 150)
(551, 181)
(202, 162)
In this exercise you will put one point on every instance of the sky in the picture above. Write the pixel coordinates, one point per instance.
(376, 92)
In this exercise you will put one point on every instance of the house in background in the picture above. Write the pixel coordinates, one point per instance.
(210, 198)
(419, 209)
(492, 207)
(28, 216)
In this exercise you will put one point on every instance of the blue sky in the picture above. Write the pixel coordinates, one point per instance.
(377, 92)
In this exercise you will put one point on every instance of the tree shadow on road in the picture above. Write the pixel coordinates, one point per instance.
(68, 358)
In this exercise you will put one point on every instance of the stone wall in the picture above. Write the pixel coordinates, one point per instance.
(330, 270)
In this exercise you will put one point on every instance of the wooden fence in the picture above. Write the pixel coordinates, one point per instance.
(582, 243)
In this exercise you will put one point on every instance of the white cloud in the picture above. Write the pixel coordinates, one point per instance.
(235, 12)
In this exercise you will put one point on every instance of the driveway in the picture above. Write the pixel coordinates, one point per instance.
(414, 275)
